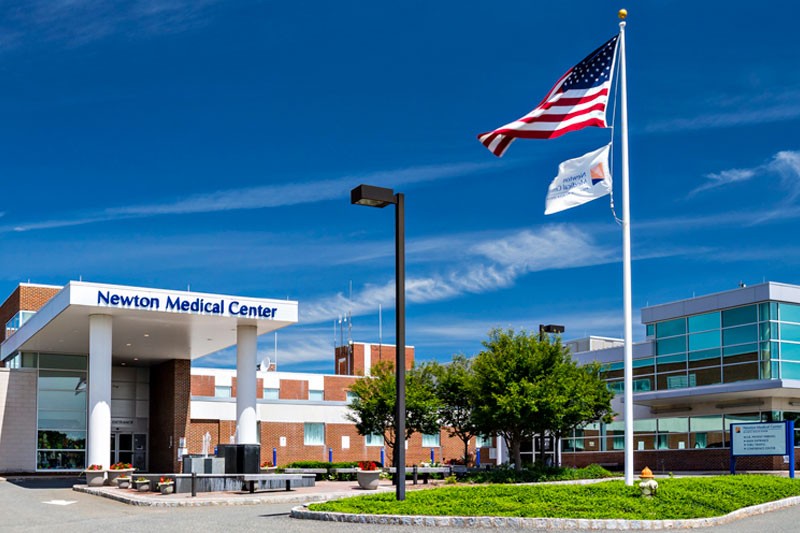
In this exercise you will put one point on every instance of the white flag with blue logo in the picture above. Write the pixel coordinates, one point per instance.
(579, 180)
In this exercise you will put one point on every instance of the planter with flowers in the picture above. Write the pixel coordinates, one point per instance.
(142, 484)
(124, 482)
(268, 468)
(368, 475)
(118, 470)
(166, 485)
(95, 475)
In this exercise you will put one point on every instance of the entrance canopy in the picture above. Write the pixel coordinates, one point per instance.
(149, 325)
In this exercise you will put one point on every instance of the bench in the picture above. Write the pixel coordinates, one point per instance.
(426, 471)
(252, 479)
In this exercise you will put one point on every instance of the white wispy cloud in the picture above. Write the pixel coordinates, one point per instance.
(785, 164)
(493, 264)
(80, 22)
(739, 110)
(264, 196)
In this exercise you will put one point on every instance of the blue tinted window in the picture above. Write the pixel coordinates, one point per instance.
(671, 359)
(790, 332)
(790, 370)
(673, 345)
(651, 330)
(790, 352)
(740, 335)
(704, 322)
(738, 350)
(671, 327)
(639, 363)
(739, 315)
(704, 341)
(703, 355)
(789, 312)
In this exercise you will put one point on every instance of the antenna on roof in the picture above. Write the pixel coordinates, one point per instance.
(276, 351)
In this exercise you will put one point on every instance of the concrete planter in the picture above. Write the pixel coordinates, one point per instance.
(368, 479)
(166, 488)
(114, 475)
(142, 486)
(123, 482)
(95, 478)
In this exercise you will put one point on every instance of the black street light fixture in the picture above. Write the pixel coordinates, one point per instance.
(549, 328)
(372, 196)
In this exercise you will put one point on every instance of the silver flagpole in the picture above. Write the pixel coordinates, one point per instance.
(626, 259)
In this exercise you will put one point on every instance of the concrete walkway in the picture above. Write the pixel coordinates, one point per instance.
(323, 490)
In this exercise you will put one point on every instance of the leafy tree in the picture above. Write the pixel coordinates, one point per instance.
(454, 389)
(373, 407)
(527, 384)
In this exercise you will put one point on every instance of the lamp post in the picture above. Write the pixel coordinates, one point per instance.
(372, 196)
(549, 328)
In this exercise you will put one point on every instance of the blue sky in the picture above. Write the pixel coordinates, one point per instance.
(214, 144)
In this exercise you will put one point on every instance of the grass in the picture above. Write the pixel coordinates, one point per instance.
(536, 473)
(677, 498)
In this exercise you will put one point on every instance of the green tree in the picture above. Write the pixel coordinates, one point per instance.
(455, 392)
(373, 406)
(527, 384)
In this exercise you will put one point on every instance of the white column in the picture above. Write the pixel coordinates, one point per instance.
(246, 412)
(98, 446)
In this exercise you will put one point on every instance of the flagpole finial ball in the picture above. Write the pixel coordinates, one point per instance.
(623, 13)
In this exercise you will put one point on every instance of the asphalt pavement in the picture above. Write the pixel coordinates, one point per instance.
(36, 505)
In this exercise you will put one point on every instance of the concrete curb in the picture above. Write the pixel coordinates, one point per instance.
(542, 523)
(152, 499)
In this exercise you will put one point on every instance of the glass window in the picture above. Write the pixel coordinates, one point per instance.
(72, 362)
(733, 373)
(673, 425)
(313, 433)
(671, 363)
(763, 312)
(765, 329)
(62, 380)
(790, 332)
(673, 345)
(741, 418)
(63, 420)
(316, 395)
(705, 376)
(351, 396)
(60, 460)
(704, 358)
(681, 381)
(617, 387)
(430, 441)
(222, 392)
(790, 370)
(483, 441)
(642, 385)
(704, 322)
(704, 341)
(646, 425)
(68, 400)
(651, 330)
(62, 440)
(739, 315)
(670, 328)
(706, 423)
(744, 353)
(643, 366)
(373, 440)
(789, 312)
(790, 352)
(740, 335)
(272, 394)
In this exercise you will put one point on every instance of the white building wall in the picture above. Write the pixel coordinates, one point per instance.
(17, 420)
(289, 411)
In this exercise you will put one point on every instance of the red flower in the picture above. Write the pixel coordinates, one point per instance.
(94, 467)
(367, 465)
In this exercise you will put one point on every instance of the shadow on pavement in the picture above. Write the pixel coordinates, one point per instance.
(59, 482)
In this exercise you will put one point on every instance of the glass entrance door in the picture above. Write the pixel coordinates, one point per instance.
(129, 447)
(121, 447)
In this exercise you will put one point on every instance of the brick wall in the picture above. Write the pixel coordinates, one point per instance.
(24, 298)
(343, 359)
(170, 385)
(336, 387)
(259, 388)
(17, 420)
(202, 385)
(293, 389)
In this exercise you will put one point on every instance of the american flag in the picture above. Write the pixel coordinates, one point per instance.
(577, 100)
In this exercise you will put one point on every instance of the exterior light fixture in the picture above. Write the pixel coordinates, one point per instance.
(372, 196)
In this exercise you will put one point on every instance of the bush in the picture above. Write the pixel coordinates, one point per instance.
(537, 473)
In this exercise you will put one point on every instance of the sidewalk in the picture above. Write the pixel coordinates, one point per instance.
(323, 490)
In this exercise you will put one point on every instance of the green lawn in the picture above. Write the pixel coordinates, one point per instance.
(677, 498)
